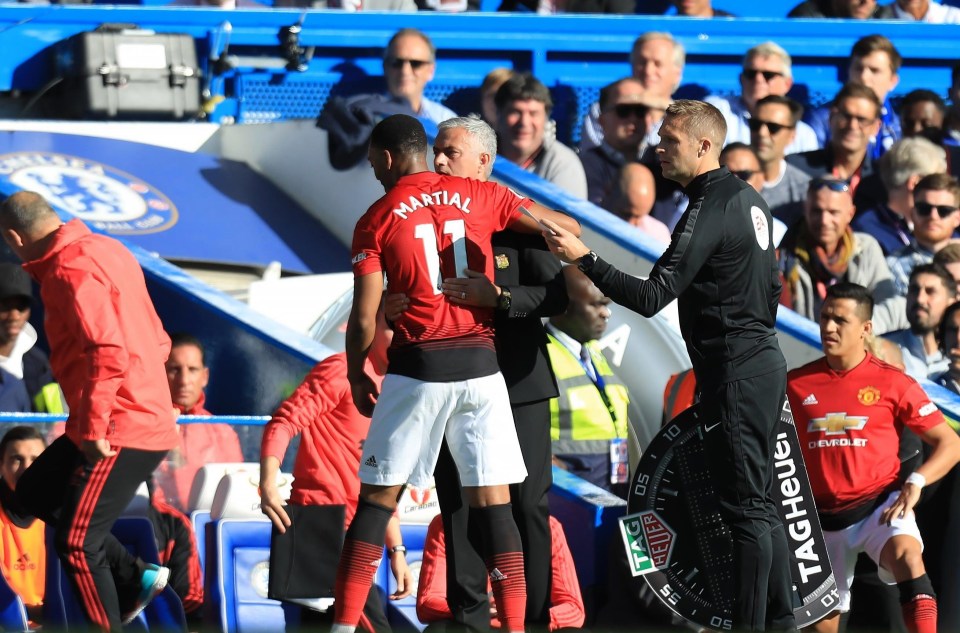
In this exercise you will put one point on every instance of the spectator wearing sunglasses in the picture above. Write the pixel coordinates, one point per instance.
(742, 161)
(901, 168)
(523, 108)
(766, 71)
(935, 217)
(875, 63)
(627, 113)
(409, 64)
(854, 121)
(657, 62)
(823, 250)
(771, 131)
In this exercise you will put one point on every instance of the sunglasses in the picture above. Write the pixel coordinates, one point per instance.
(624, 110)
(925, 209)
(775, 128)
(415, 64)
(833, 184)
(768, 75)
(744, 174)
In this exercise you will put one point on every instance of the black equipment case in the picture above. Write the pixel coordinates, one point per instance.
(129, 73)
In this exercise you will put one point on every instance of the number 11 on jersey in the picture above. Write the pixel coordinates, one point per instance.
(428, 238)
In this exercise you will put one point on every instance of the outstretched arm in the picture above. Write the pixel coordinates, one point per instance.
(694, 241)
(527, 224)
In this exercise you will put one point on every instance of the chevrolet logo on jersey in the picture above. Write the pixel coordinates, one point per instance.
(837, 423)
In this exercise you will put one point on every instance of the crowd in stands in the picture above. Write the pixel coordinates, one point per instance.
(929, 11)
(863, 189)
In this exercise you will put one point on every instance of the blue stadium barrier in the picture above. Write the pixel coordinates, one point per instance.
(589, 517)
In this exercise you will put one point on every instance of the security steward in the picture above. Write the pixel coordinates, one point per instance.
(588, 420)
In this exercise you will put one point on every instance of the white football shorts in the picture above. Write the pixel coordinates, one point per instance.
(868, 535)
(412, 417)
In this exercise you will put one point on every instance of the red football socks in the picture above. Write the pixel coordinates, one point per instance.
(504, 559)
(362, 551)
(920, 614)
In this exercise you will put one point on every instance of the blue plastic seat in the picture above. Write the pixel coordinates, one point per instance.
(199, 520)
(240, 578)
(61, 609)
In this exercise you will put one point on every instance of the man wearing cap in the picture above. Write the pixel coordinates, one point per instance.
(20, 357)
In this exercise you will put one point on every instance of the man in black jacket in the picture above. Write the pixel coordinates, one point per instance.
(722, 267)
(527, 285)
(19, 354)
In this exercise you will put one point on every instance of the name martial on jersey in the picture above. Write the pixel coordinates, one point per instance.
(430, 199)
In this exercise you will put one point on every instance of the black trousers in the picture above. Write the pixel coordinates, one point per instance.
(82, 501)
(741, 451)
(466, 571)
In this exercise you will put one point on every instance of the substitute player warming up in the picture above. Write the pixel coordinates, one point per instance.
(850, 409)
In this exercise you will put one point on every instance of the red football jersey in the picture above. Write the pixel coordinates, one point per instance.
(849, 424)
(427, 228)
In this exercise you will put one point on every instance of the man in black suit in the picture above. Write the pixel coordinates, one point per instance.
(527, 285)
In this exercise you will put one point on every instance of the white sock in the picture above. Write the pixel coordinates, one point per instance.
(342, 628)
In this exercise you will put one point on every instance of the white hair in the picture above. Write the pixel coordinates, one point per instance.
(485, 136)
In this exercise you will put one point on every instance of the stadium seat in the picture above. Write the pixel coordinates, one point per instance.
(238, 495)
(199, 520)
(239, 579)
(207, 479)
(61, 609)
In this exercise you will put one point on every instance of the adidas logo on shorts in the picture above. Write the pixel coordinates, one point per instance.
(810, 400)
(371, 462)
(496, 575)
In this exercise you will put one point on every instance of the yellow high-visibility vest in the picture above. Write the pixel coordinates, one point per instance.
(582, 421)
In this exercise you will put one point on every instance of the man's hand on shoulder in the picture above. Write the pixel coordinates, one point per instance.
(95, 450)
